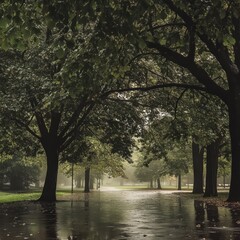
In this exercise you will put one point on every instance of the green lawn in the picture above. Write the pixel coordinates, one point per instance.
(12, 197)
(25, 196)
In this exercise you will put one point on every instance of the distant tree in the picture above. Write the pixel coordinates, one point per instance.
(19, 172)
(178, 161)
(151, 170)
(224, 169)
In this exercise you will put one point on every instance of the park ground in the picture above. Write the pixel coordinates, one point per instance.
(119, 213)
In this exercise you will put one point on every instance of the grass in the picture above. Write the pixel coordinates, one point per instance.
(9, 196)
(13, 197)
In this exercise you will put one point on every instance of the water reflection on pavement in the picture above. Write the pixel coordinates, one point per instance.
(120, 215)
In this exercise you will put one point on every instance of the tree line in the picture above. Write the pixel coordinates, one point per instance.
(71, 70)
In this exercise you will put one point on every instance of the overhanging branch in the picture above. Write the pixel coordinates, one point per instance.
(24, 125)
(155, 87)
(69, 137)
(197, 71)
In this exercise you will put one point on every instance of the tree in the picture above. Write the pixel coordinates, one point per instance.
(200, 37)
(199, 19)
(180, 118)
(178, 161)
(54, 85)
(19, 172)
(151, 172)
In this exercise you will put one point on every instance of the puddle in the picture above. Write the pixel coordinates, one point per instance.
(119, 215)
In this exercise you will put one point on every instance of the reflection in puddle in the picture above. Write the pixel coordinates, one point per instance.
(120, 215)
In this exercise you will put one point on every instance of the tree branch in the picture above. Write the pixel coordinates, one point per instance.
(40, 121)
(67, 139)
(185, 17)
(192, 45)
(55, 121)
(176, 105)
(236, 47)
(22, 124)
(197, 71)
(74, 117)
(218, 50)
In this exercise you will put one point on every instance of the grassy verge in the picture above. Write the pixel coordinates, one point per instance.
(13, 197)
(26, 196)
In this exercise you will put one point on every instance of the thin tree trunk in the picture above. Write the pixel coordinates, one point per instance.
(87, 180)
(159, 183)
(72, 178)
(197, 155)
(179, 181)
(211, 169)
(224, 178)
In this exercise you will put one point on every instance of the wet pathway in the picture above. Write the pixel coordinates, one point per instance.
(120, 215)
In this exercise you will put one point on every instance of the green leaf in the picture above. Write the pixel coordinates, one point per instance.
(60, 53)
(222, 14)
(4, 22)
(162, 41)
(149, 36)
(141, 44)
(228, 40)
(94, 5)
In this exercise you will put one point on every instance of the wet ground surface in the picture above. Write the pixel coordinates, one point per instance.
(120, 215)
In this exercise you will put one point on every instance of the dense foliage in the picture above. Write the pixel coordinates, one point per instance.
(69, 66)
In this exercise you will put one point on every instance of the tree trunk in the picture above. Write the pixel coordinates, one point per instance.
(224, 178)
(179, 181)
(72, 185)
(197, 155)
(234, 127)
(211, 169)
(50, 184)
(87, 180)
(98, 183)
(159, 183)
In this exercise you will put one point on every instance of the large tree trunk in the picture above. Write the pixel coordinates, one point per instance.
(234, 127)
(197, 156)
(87, 180)
(50, 185)
(211, 169)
